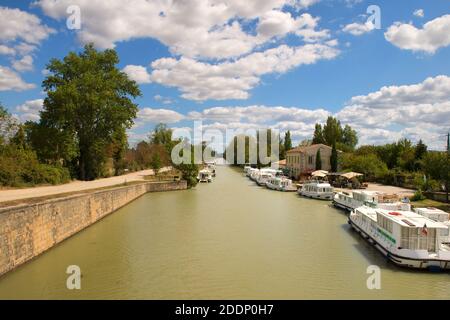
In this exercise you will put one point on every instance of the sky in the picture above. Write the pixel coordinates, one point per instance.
(382, 67)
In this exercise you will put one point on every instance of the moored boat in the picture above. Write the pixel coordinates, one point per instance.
(204, 176)
(317, 190)
(280, 184)
(357, 198)
(406, 238)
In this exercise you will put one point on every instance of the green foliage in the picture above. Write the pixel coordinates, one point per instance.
(20, 167)
(287, 141)
(334, 161)
(332, 132)
(418, 196)
(370, 165)
(318, 134)
(156, 163)
(318, 160)
(88, 105)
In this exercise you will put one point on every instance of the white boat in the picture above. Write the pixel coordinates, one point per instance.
(204, 176)
(435, 215)
(263, 176)
(280, 184)
(253, 174)
(317, 190)
(357, 198)
(406, 238)
(247, 169)
(211, 166)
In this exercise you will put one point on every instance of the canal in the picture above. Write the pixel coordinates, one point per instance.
(227, 240)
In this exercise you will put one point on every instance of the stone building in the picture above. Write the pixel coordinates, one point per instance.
(301, 161)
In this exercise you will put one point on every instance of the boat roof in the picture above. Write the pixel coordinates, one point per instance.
(403, 218)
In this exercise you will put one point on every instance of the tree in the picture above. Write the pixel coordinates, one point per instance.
(334, 158)
(318, 160)
(89, 100)
(370, 165)
(420, 150)
(318, 134)
(8, 125)
(332, 131)
(349, 137)
(156, 163)
(287, 141)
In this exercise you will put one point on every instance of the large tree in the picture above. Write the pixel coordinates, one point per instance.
(89, 100)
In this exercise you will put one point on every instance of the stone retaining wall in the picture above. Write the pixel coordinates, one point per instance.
(28, 230)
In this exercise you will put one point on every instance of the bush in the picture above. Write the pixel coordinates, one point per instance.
(418, 196)
(20, 167)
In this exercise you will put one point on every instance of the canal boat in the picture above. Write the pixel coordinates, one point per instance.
(316, 190)
(357, 198)
(263, 177)
(252, 172)
(211, 166)
(204, 176)
(280, 184)
(406, 238)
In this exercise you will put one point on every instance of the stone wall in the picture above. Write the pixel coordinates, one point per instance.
(28, 230)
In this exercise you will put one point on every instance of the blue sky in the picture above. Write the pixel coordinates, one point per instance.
(284, 64)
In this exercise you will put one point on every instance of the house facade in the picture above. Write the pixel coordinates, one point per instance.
(302, 160)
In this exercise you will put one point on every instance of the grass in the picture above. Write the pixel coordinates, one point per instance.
(431, 203)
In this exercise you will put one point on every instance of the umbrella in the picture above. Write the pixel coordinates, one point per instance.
(351, 175)
(320, 173)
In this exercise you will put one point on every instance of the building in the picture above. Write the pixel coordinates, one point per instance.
(301, 161)
(279, 164)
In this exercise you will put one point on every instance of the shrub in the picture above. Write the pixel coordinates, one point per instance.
(418, 196)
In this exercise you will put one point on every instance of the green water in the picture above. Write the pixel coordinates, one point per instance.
(227, 240)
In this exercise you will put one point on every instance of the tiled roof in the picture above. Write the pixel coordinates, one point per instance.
(305, 148)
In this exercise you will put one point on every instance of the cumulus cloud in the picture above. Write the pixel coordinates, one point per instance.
(232, 80)
(422, 107)
(10, 80)
(433, 35)
(24, 64)
(30, 110)
(211, 29)
(358, 29)
(155, 116)
(137, 73)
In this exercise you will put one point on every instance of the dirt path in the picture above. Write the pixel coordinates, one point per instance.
(17, 194)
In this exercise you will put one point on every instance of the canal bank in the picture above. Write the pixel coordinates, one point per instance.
(28, 230)
(229, 239)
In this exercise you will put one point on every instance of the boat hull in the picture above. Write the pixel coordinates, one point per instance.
(318, 196)
(401, 261)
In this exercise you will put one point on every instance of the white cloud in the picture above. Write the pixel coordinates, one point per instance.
(419, 13)
(150, 115)
(20, 25)
(7, 50)
(435, 34)
(137, 73)
(211, 28)
(10, 80)
(24, 64)
(423, 108)
(358, 29)
(29, 110)
(232, 80)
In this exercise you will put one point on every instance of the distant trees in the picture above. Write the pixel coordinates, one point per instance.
(332, 132)
(86, 112)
